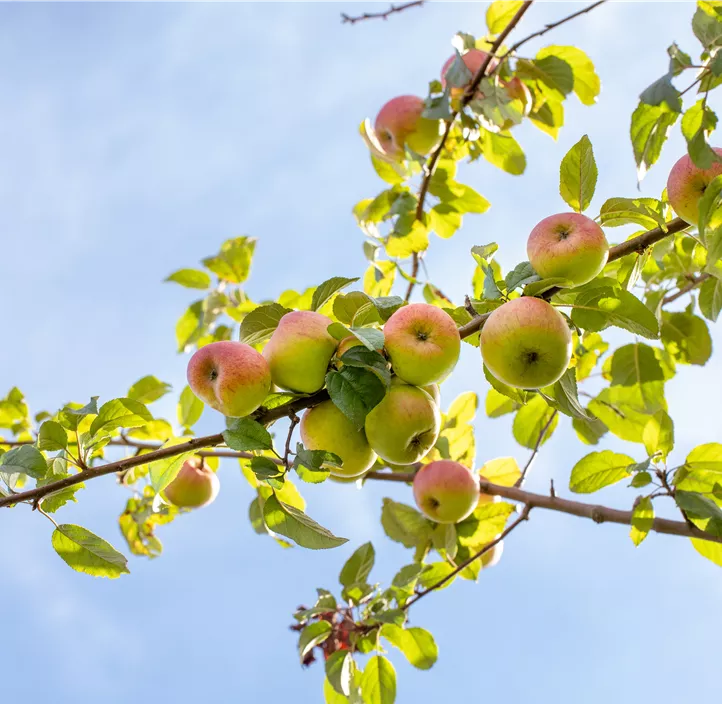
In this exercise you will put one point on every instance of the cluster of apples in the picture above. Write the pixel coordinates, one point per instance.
(400, 122)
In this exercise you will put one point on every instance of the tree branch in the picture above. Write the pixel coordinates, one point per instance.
(460, 568)
(266, 416)
(634, 245)
(598, 514)
(346, 19)
(694, 282)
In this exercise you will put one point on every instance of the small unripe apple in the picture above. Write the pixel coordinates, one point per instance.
(300, 351)
(404, 426)
(473, 60)
(422, 342)
(229, 376)
(400, 124)
(686, 185)
(446, 491)
(194, 486)
(570, 246)
(526, 343)
(325, 427)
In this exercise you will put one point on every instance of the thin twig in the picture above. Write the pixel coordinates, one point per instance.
(414, 274)
(594, 512)
(459, 568)
(295, 420)
(694, 282)
(346, 19)
(535, 450)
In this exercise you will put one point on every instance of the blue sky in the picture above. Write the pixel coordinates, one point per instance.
(134, 140)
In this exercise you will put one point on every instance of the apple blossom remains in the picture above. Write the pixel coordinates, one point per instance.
(355, 368)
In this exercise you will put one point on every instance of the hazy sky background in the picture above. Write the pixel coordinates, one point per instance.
(134, 140)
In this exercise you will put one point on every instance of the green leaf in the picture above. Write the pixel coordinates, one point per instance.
(707, 24)
(356, 308)
(266, 469)
(163, 472)
(503, 151)
(434, 573)
(586, 83)
(635, 364)
(521, 275)
(647, 212)
(553, 76)
(327, 289)
(25, 459)
(641, 479)
(296, 525)
(190, 326)
(355, 392)
(597, 308)
(679, 60)
(245, 434)
(190, 408)
(378, 682)
(313, 465)
(148, 389)
(500, 13)
(52, 436)
(467, 200)
(686, 337)
(625, 410)
(407, 575)
(712, 551)
(578, 175)
(462, 410)
(566, 396)
(388, 305)
(502, 470)
(86, 552)
(710, 214)
(697, 124)
(703, 512)
(597, 470)
(233, 262)
(119, 413)
(358, 566)
(649, 129)
(498, 405)
(312, 635)
(658, 434)
(531, 419)
(191, 278)
(367, 359)
(404, 524)
(662, 93)
(642, 520)
(444, 220)
(416, 644)
(710, 298)
(339, 668)
(70, 416)
(487, 521)
(589, 431)
(260, 323)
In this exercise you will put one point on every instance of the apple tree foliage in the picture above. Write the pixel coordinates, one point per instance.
(47, 457)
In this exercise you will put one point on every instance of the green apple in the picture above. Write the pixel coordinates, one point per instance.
(229, 376)
(400, 124)
(526, 343)
(435, 392)
(300, 351)
(194, 486)
(404, 426)
(324, 427)
(569, 246)
(423, 343)
(686, 185)
(446, 491)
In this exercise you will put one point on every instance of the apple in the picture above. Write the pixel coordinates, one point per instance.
(422, 342)
(300, 351)
(404, 426)
(526, 343)
(473, 60)
(325, 427)
(569, 246)
(346, 344)
(686, 185)
(400, 124)
(446, 491)
(435, 392)
(229, 376)
(194, 486)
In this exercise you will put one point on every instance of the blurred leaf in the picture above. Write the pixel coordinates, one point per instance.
(647, 212)
(503, 471)
(86, 552)
(697, 123)
(312, 635)
(648, 131)
(503, 151)
(531, 419)
(500, 13)
(25, 459)
(163, 472)
(586, 83)
(233, 262)
(404, 524)
(191, 278)
(190, 408)
(148, 389)
(416, 644)
(52, 436)
(658, 434)
(339, 668)
(487, 521)
(190, 326)
(686, 337)
(710, 298)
